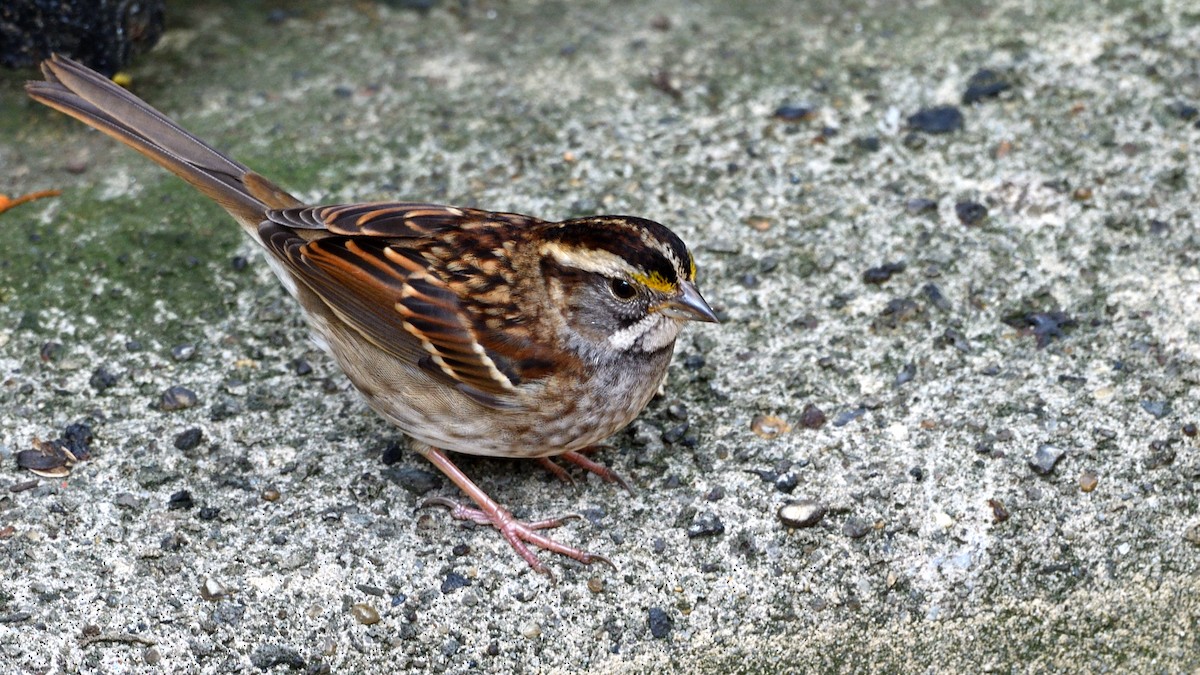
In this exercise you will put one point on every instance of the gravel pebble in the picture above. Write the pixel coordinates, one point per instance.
(178, 398)
(364, 613)
(942, 119)
(705, 524)
(660, 623)
(1046, 457)
(801, 513)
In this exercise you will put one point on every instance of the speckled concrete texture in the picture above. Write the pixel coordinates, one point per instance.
(973, 354)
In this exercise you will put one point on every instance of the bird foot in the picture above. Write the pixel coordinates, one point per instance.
(579, 459)
(520, 534)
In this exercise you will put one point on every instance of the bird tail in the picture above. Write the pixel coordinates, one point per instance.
(93, 99)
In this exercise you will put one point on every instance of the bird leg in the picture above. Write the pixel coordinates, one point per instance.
(519, 534)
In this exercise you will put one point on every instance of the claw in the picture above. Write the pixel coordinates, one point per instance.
(520, 535)
(578, 459)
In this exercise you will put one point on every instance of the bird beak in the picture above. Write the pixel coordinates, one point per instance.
(689, 306)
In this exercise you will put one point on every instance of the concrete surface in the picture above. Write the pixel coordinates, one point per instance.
(942, 548)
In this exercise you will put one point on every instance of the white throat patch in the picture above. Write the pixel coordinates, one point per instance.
(648, 335)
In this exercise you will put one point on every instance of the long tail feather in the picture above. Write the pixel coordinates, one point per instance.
(93, 99)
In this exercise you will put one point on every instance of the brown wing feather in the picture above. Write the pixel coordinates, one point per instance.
(367, 265)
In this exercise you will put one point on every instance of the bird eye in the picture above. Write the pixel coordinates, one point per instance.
(621, 289)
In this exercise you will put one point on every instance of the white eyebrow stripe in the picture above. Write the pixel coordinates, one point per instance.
(589, 260)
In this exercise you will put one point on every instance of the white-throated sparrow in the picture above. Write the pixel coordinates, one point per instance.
(483, 333)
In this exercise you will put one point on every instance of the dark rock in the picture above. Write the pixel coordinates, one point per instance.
(180, 501)
(188, 439)
(1184, 111)
(793, 113)
(660, 623)
(1046, 457)
(705, 524)
(812, 417)
(919, 205)
(984, 84)
(970, 213)
(453, 582)
(878, 275)
(941, 119)
(102, 379)
(178, 398)
(856, 528)
(1159, 409)
(266, 657)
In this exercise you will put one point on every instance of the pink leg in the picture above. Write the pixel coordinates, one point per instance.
(518, 534)
(606, 474)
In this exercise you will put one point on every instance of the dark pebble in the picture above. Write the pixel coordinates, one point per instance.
(941, 119)
(178, 398)
(660, 623)
(15, 617)
(716, 494)
(970, 213)
(1161, 454)
(209, 512)
(493, 649)
(1046, 457)
(267, 657)
(133, 345)
(224, 409)
(694, 361)
(188, 439)
(917, 473)
(239, 263)
(675, 433)
(183, 352)
(999, 513)
(802, 513)
(460, 550)
(1184, 111)
(392, 452)
(793, 113)
(415, 481)
(1048, 325)
(705, 524)
(934, 294)
(77, 439)
(848, 416)
(812, 417)
(856, 528)
(786, 482)
(906, 374)
(878, 275)
(868, 143)
(984, 84)
(1159, 409)
(919, 205)
(301, 367)
(453, 582)
(102, 379)
(180, 501)
(371, 590)
(1189, 429)
(50, 351)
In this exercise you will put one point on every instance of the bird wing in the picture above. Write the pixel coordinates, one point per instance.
(367, 262)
